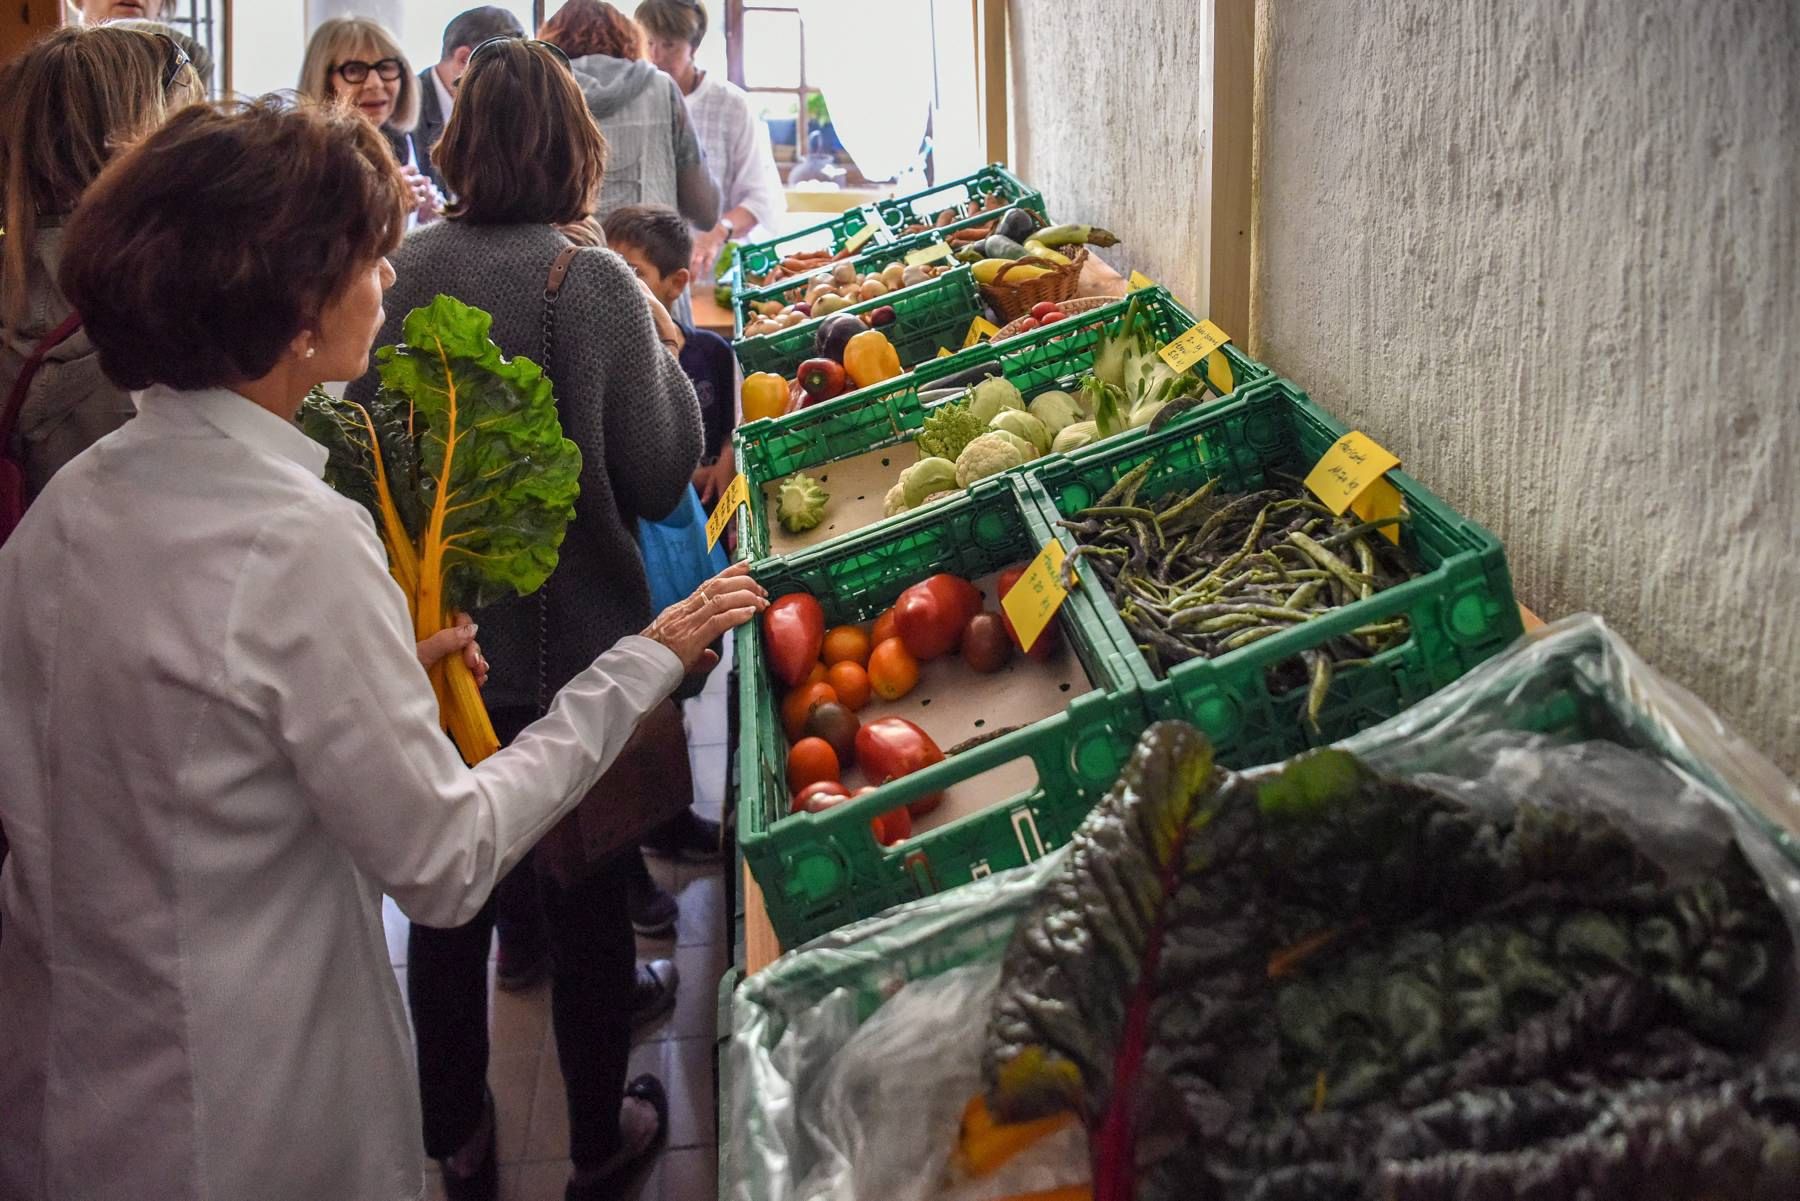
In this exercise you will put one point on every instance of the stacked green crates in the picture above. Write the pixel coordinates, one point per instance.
(793, 288)
(891, 413)
(820, 870)
(1460, 608)
(928, 204)
(927, 317)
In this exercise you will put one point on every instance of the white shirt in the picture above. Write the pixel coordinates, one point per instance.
(738, 154)
(446, 98)
(219, 750)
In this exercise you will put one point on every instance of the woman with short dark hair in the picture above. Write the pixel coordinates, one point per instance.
(523, 157)
(220, 749)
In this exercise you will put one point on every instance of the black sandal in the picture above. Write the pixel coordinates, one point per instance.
(619, 1171)
(484, 1183)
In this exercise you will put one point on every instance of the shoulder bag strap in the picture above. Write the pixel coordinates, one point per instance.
(559, 271)
(15, 400)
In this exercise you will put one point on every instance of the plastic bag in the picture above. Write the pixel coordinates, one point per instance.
(675, 556)
(1568, 716)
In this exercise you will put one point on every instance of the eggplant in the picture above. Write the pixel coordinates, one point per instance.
(966, 377)
(998, 246)
(834, 333)
(1017, 224)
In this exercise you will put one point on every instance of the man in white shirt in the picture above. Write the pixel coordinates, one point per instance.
(735, 143)
(437, 83)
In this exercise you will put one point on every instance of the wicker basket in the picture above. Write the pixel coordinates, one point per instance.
(1014, 300)
(1070, 308)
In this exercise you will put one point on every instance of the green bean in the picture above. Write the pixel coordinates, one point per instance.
(1181, 508)
(1099, 512)
(1130, 480)
(1248, 636)
(1321, 684)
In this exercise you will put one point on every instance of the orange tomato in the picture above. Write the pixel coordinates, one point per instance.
(846, 644)
(893, 672)
(851, 683)
(815, 676)
(800, 703)
(811, 761)
(885, 628)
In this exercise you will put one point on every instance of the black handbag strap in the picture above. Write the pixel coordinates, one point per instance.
(559, 272)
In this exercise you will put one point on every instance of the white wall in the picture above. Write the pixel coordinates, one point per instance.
(1546, 251)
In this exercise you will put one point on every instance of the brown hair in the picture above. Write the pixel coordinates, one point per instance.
(66, 106)
(583, 27)
(200, 254)
(657, 230)
(342, 39)
(675, 20)
(521, 146)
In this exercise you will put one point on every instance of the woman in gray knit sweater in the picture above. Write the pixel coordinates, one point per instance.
(523, 157)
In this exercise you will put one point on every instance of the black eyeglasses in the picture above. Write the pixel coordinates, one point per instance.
(175, 60)
(552, 47)
(387, 70)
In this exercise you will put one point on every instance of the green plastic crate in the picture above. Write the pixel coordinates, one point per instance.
(992, 180)
(818, 871)
(893, 412)
(793, 288)
(757, 258)
(1461, 608)
(927, 317)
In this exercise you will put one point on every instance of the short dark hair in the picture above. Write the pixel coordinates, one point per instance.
(202, 252)
(478, 25)
(674, 19)
(521, 146)
(657, 230)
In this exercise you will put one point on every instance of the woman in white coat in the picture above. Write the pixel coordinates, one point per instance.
(220, 748)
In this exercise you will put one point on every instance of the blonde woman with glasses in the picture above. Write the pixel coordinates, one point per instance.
(353, 61)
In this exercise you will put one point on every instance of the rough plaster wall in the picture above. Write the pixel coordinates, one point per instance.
(1546, 252)
(1110, 119)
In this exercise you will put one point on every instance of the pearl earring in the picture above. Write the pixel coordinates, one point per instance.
(311, 351)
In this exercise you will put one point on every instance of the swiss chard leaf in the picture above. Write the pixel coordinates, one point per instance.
(496, 480)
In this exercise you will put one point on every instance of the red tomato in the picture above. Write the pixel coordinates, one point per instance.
(811, 761)
(891, 747)
(931, 614)
(1047, 640)
(1041, 307)
(806, 798)
(893, 826)
(794, 629)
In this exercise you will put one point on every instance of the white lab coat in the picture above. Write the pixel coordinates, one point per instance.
(218, 751)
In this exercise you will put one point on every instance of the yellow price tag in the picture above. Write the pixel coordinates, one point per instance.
(944, 352)
(1139, 280)
(859, 239)
(1194, 345)
(1348, 472)
(928, 254)
(1034, 600)
(979, 329)
(738, 493)
(1218, 372)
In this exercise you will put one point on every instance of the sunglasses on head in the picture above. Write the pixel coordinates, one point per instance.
(387, 70)
(552, 47)
(173, 62)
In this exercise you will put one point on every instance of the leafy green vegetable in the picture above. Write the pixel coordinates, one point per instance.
(1335, 981)
(947, 429)
(800, 503)
(462, 461)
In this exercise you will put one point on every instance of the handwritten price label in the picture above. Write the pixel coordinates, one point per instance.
(980, 329)
(928, 254)
(859, 239)
(1035, 599)
(1194, 345)
(1347, 475)
(738, 493)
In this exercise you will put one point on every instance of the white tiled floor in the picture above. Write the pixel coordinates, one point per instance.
(522, 1071)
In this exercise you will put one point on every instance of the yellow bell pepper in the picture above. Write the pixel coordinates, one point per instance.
(870, 358)
(765, 394)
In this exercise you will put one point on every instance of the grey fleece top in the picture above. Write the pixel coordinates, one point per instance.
(652, 155)
(623, 400)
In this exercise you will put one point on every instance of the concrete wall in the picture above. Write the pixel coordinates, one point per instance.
(1545, 251)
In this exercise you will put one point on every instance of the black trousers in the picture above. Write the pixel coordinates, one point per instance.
(594, 959)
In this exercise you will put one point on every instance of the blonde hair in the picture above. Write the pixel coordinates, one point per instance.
(68, 104)
(340, 40)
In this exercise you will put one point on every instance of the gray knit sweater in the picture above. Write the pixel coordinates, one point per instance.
(623, 400)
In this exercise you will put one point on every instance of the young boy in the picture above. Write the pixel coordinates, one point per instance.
(657, 243)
